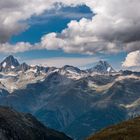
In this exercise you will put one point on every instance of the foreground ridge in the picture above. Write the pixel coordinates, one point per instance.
(20, 126)
(128, 130)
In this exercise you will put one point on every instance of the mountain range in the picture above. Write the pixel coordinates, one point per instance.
(77, 102)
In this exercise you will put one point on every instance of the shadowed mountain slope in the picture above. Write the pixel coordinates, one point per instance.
(20, 126)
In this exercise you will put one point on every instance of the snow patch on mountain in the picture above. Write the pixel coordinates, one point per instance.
(120, 78)
(4, 64)
(32, 70)
(99, 88)
(132, 105)
(12, 67)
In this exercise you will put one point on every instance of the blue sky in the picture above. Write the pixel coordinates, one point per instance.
(78, 33)
(51, 21)
(56, 21)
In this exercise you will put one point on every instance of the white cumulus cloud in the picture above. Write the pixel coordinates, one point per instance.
(115, 28)
(132, 59)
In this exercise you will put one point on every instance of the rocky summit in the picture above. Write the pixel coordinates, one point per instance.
(9, 63)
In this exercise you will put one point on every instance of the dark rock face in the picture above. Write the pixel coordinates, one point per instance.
(129, 130)
(19, 126)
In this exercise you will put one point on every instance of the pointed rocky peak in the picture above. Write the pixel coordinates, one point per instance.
(102, 67)
(103, 64)
(9, 62)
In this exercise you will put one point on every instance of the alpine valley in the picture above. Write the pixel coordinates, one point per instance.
(76, 102)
